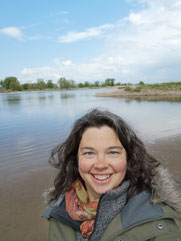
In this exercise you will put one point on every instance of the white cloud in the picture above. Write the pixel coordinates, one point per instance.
(63, 12)
(74, 36)
(12, 32)
(44, 72)
(67, 63)
(145, 45)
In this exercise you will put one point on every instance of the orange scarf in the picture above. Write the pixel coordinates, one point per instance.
(80, 208)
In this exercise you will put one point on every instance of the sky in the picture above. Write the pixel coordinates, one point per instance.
(91, 40)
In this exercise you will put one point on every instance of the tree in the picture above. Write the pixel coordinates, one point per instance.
(86, 84)
(96, 83)
(6, 82)
(24, 86)
(80, 85)
(61, 82)
(141, 83)
(72, 83)
(66, 84)
(103, 84)
(30, 86)
(40, 84)
(109, 82)
(15, 85)
(55, 86)
(50, 84)
(112, 82)
(11, 83)
(1, 84)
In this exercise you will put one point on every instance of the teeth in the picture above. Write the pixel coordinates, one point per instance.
(102, 177)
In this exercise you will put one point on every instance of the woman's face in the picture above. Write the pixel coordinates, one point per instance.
(101, 160)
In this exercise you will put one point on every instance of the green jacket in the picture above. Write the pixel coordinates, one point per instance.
(140, 220)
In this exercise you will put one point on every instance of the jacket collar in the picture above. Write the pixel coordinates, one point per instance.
(139, 209)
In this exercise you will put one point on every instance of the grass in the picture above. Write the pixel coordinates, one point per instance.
(158, 86)
(137, 89)
(164, 86)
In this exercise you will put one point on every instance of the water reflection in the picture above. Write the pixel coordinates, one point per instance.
(67, 95)
(12, 99)
(128, 101)
(42, 98)
(156, 99)
(51, 97)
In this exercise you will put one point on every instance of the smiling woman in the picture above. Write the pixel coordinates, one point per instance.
(109, 187)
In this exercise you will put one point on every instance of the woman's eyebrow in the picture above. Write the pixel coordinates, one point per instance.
(115, 147)
(87, 148)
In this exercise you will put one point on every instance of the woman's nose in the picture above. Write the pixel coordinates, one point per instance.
(101, 162)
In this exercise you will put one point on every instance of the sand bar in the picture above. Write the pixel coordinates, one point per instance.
(145, 94)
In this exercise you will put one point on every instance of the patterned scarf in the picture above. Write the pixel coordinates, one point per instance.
(80, 208)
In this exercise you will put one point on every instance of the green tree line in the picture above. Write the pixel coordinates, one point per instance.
(12, 84)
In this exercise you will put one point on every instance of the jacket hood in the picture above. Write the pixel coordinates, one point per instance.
(165, 188)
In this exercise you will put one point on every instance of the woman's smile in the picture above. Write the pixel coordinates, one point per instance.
(101, 179)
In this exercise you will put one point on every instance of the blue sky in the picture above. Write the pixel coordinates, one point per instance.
(129, 40)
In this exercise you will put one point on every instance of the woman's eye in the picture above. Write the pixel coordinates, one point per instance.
(113, 153)
(89, 153)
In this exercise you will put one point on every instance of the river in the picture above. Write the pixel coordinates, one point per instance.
(31, 124)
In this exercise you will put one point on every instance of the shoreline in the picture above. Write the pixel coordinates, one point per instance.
(51, 90)
(148, 94)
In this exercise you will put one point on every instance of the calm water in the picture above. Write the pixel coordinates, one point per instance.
(31, 124)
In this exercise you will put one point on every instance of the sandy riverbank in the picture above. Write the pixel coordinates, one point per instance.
(28, 91)
(22, 206)
(21, 198)
(49, 90)
(146, 93)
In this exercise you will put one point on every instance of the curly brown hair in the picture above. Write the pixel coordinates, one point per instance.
(139, 162)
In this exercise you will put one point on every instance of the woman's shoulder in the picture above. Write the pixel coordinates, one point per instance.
(142, 220)
(161, 229)
(166, 188)
(140, 208)
(52, 205)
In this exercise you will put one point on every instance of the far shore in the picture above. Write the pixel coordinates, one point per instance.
(143, 93)
(28, 91)
(49, 90)
(159, 91)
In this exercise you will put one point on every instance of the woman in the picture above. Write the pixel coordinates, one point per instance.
(109, 188)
